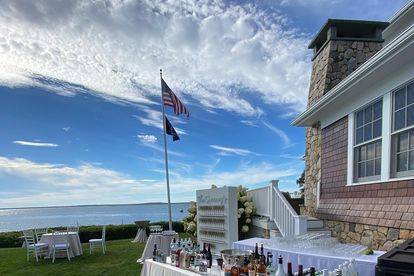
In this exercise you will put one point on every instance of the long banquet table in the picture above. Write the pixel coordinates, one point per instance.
(153, 268)
(365, 264)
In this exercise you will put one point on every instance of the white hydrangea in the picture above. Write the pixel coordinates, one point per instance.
(248, 220)
(245, 229)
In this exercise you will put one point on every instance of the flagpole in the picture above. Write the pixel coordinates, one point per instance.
(166, 159)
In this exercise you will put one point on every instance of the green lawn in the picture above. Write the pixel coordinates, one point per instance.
(120, 259)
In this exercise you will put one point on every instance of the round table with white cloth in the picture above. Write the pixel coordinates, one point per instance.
(73, 239)
(162, 241)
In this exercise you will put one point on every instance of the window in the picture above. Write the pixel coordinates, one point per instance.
(402, 154)
(367, 142)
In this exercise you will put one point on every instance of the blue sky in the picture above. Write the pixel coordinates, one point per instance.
(79, 88)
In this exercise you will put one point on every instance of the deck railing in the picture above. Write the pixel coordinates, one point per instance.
(271, 202)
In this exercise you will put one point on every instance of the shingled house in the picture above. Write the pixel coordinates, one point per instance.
(359, 176)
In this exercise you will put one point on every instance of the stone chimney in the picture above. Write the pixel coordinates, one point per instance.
(340, 47)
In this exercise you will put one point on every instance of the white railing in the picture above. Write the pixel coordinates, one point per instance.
(260, 197)
(270, 202)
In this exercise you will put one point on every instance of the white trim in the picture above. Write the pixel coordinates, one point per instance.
(381, 181)
(386, 136)
(350, 167)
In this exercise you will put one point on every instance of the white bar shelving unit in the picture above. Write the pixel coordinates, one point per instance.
(217, 222)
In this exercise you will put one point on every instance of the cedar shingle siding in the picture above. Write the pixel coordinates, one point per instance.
(389, 204)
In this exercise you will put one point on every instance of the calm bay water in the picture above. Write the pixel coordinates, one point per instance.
(18, 219)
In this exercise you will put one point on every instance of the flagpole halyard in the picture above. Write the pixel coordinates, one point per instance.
(166, 158)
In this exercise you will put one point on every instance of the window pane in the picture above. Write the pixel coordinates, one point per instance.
(399, 120)
(378, 110)
(361, 169)
(368, 114)
(402, 162)
(410, 94)
(370, 168)
(370, 151)
(359, 135)
(362, 153)
(377, 128)
(411, 160)
(399, 99)
(410, 115)
(402, 144)
(367, 132)
(360, 118)
(378, 149)
(378, 166)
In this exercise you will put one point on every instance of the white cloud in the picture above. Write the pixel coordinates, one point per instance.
(213, 53)
(232, 151)
(153, 118)
(36, 144)
(66, 129)
(55, 184)
(249, 123)
(146, 138)
(282, 135)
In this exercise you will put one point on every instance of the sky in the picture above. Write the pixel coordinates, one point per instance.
(80, 108)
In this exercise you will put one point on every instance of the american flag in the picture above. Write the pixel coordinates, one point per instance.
(170, 99)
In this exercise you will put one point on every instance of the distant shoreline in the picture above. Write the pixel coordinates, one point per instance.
(90, 205)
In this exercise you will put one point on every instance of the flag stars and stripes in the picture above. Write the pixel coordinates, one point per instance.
(170, 99)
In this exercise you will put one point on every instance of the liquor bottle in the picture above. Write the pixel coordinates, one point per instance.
(252, 266)
(261, 268)
(300, 270)
(244, 270)
(312, 271)
(173, 248)
(177, 254)
(256, 251)
(270, 269)
(261, 250)
(209, 257)
(183, 254)
(227, 270)
(204, 249)
(280, 271)
(235, 269)
(289, 269)
(192, 256)
(155, 253)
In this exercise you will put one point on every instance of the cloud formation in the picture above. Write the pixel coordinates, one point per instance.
(146, 138)
(282, 135)
(232, 151)
(35, 144)
(213, 53)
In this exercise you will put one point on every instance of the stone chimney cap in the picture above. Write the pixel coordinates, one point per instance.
(345, 29)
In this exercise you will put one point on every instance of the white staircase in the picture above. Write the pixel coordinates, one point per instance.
(277, 215)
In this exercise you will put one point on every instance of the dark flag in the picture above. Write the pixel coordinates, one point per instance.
(170, 130)
(170, 99)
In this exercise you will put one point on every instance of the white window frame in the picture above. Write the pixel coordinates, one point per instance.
(386, 135)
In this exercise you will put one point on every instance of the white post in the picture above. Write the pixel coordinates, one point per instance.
(166, 158)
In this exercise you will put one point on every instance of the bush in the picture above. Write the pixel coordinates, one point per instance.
(113, 232)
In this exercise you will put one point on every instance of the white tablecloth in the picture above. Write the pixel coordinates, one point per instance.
(365, 264)
(141, 236)
(74, 243)
(163, 245)
(152, 268)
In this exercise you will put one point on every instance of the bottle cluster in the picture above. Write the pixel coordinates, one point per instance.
(188, 255)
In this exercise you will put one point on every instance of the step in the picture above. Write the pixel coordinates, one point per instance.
(324, 231)
(314, 223)
(264, 222)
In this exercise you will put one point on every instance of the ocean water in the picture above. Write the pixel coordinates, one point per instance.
(25, 218)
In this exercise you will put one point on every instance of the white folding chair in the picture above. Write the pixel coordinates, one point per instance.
(98, 242)
(60, 245)
(33, 247)
(39, 232)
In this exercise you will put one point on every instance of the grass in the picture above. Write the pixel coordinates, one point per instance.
(120, 259)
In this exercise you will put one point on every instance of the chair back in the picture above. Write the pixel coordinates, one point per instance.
(57, 234)
(39, 233)
(29, 237)
(103, 232)
(155, 228)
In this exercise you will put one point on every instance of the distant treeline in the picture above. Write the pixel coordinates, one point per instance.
(113, 232)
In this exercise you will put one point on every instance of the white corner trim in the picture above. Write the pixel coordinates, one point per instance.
(386, 136)
(350, 157)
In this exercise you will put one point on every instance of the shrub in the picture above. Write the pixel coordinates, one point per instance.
(113, 232)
